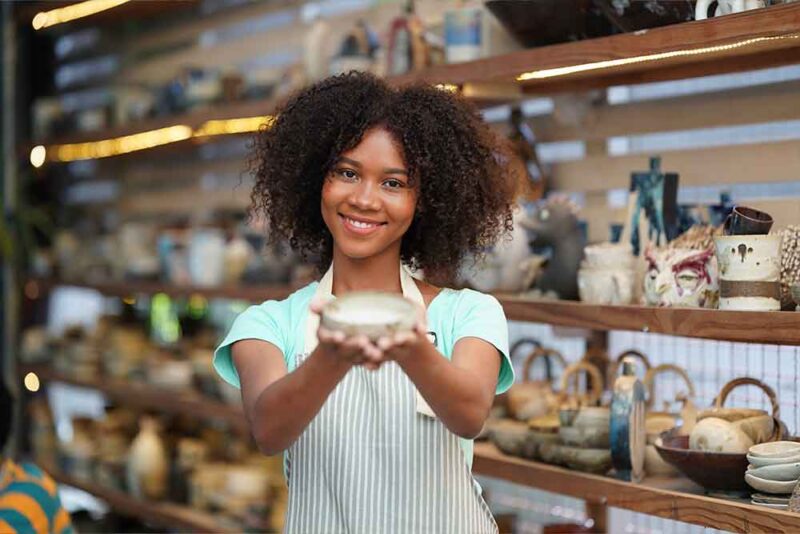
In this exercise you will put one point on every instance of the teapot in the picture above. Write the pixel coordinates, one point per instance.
(725, 7)
(533, 398)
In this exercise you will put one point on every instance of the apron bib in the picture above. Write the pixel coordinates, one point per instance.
(374, 461)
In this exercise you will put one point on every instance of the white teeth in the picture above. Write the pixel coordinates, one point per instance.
(359, 224)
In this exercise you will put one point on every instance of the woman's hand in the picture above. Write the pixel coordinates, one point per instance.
(403, 344)
(357, 350)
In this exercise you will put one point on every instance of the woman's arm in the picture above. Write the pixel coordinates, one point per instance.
(279, 405)
(459, 391)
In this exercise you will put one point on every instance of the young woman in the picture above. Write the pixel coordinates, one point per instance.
(376, 182)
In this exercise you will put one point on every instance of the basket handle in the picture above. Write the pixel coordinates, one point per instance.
(613, 369)
(650, 380)
(547, 354)
(596, 389)
(747, 381)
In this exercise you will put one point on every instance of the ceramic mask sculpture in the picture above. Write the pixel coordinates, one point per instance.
(556, 227)
(681, 277)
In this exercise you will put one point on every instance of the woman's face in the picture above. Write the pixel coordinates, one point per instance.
(367, 201)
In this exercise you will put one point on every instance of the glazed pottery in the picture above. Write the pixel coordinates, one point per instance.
(776, 449)
(756, 425)
(546, 424)
(794, 500)
(747, 221)
(681, 277)
(758, 461)
(750, 267)
(714, 471)
(765, 498)
(529, 399)
(607, 274)
(781, 472)
(580, 399)
(148, 464)
(725, 7)
(590, 460)
(627, 424)
(508, 436)
(654, 464)
(592, 418)
(613, 369)
(770, 486)
(370, 313)
(586, 438)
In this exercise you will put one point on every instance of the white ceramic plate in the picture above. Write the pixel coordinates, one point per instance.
(770, 486)
(370, 313)
(773, 506)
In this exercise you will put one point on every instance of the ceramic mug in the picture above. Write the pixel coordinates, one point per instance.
(749, 267)
(725, 7)
(747, 221)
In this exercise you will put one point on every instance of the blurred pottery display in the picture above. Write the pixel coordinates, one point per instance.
(358, 51)
(508, 436)
(471, 33)
(725, 7)
(614, 367)
(607, 274)
(78, 455)
(529, 399)
(627, 424)
(656, 423)
(678, 277)
(207, 257)
(652, 214)
(555, 227)
(750, 267)
(35, 345)
(593, 389)
(790, 267)
(238, 254)
(316, 44)
(735, 430)
(171, 374)
(148, 464)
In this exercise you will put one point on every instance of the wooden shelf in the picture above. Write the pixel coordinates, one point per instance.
(750, 40)
(780, 328)
(672, 498)
(148, 397)
(166, 515)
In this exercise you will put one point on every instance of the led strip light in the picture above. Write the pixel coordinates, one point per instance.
(45, 19)
(611, 63)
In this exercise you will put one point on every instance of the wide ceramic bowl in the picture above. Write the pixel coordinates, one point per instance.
(715, 471)
(370, 313)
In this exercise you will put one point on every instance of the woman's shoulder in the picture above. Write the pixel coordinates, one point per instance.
(461, 303)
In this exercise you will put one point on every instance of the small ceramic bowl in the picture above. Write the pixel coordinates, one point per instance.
(780, 472)
(596, 438)
(370, 313)
(508, 436)
(765, 498)
(760, 461)
(780, 487)
(769, 505)
(775, 449)
(589, 460)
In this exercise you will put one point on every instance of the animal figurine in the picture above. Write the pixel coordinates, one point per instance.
(555, 226)
(681, 277)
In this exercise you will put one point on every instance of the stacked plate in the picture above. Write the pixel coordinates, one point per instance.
(774, 471)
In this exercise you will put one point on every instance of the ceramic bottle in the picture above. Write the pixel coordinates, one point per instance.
(627, 425)
(148, 464)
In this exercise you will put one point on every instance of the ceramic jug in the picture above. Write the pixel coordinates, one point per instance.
(725, 7)
(148, 466)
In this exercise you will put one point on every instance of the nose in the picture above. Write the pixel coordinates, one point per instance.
(364, 196)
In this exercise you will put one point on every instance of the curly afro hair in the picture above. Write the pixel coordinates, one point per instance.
(465, 196)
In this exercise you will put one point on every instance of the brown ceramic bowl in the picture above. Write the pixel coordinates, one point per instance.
(715, 471)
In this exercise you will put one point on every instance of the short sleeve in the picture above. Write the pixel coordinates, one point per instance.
(266, 322)
(482, 316)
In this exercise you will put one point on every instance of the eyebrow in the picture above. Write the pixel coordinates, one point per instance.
(354, 163)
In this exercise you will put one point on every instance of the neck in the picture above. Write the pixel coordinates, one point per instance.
(377, 273)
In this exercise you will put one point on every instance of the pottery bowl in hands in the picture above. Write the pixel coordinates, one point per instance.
(370, 313)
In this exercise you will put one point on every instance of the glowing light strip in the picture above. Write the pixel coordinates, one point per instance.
(233, 126)
(611, 63)
(46, 19)
(449, 87)
(150, 139)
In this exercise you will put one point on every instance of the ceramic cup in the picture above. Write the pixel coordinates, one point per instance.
(747, 221)
(749, 271)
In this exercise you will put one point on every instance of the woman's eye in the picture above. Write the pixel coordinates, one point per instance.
(394, 184)
(347, 174)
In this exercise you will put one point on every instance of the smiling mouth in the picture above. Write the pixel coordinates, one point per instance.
(360, 226)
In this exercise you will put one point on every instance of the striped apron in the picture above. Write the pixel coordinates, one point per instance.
(374, 460)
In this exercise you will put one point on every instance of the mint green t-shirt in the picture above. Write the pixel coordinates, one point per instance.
(452, 315)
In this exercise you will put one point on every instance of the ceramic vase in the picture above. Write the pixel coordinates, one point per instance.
(627, 424)
(148, 464)
(750, 269)
(607, 274)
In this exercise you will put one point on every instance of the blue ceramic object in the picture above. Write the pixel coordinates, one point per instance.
(627, 424)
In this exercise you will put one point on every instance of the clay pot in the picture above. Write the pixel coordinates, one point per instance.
(533, 398)
(148, 463)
